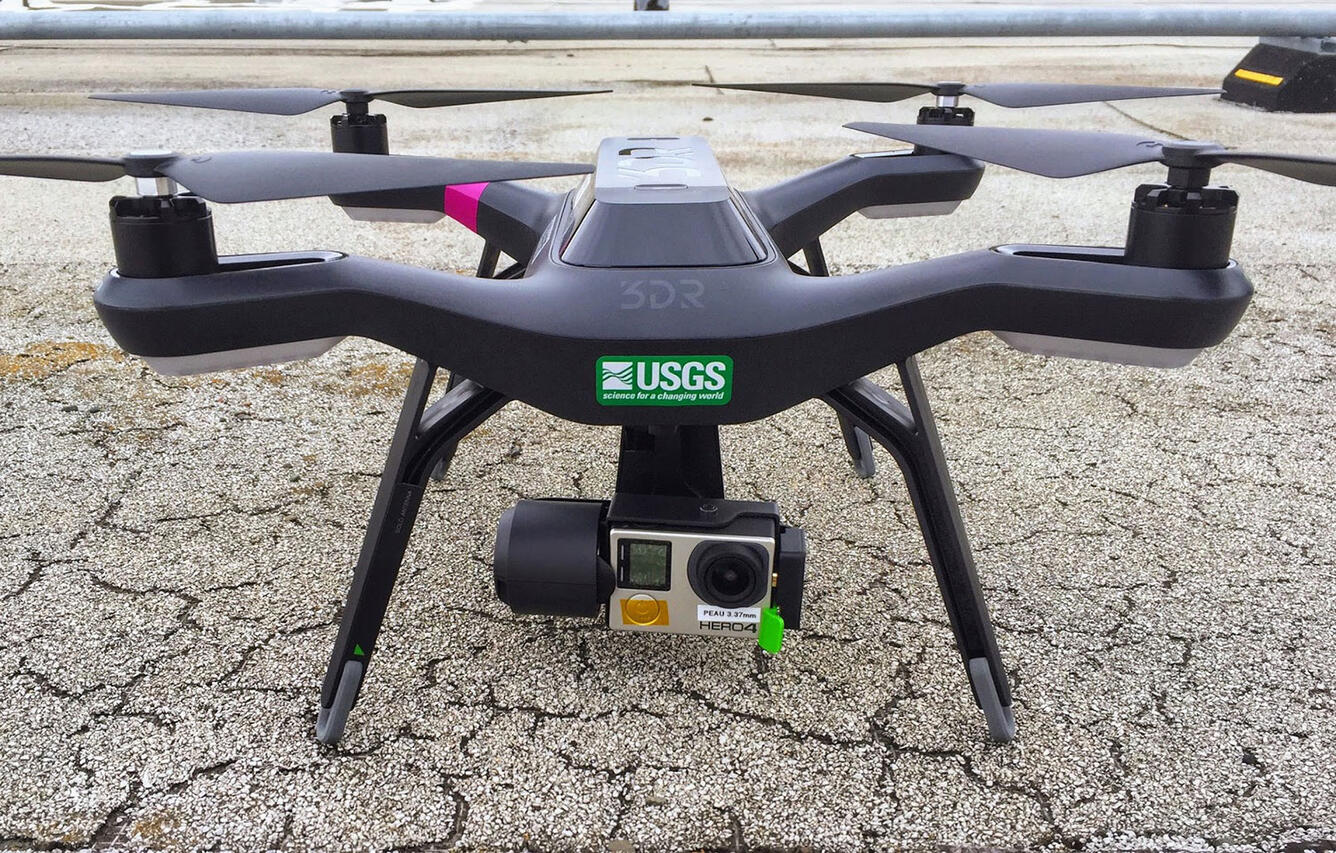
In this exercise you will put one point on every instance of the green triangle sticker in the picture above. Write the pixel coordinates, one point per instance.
(357, 650)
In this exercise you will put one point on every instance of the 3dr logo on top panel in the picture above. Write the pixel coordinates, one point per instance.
(664, 380)
(657, 293)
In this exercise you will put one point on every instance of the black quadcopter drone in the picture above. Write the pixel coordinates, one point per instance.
(657, 298)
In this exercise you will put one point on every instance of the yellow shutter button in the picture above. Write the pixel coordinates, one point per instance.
(642, 609)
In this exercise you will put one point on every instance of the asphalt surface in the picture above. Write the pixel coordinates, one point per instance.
(1156, 545)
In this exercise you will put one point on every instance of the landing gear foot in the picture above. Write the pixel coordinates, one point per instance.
(859, 445)
(1001, 718)
(329, 722)
(865, 466)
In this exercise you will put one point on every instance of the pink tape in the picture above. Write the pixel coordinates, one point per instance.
(461, 203)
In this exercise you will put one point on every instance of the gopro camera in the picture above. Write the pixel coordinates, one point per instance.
(672, 565)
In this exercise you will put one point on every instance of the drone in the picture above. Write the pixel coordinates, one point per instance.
(657, 298)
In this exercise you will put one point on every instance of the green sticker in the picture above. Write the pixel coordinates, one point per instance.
(664, 380)
(357, 650)
(770, 636)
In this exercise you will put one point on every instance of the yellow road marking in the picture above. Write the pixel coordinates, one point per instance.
(1258, 77)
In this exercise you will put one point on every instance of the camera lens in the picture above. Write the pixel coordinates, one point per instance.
(727, 577)
(728, 574)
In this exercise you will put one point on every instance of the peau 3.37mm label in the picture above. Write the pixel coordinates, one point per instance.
(664, 380)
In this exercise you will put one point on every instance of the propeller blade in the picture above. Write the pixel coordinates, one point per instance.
(242, 176)
(881, 93)
(1002, 94)
(62, 168)
(279, 102)
(1053, 153)
(422, 98)
(291, 102)
(1051, 94)
(1068, 153)
(1314, 170)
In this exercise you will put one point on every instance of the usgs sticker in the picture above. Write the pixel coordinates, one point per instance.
(664, 380)
(710, 613)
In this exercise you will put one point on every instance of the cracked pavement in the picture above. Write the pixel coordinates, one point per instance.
(1156, 545)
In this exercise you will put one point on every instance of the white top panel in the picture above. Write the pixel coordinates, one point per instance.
(658, 170)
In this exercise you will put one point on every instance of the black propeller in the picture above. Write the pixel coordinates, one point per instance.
(291, 102)
(1002, 94)
(242, 176)
(1068, 153)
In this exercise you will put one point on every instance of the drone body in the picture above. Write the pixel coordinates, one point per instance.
(657, 298)
(657, 256)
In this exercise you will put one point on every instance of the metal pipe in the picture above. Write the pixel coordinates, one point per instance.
(895, 22)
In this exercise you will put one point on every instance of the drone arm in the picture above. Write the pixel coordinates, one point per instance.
(273, 303)
(801, 209)
(510, 216)
(1074, 301)
(507, 215)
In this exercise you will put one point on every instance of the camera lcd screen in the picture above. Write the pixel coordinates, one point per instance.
(645, 564)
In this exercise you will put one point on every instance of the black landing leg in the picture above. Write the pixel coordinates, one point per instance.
(856, 441)
(910, 435)
(422, 436)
